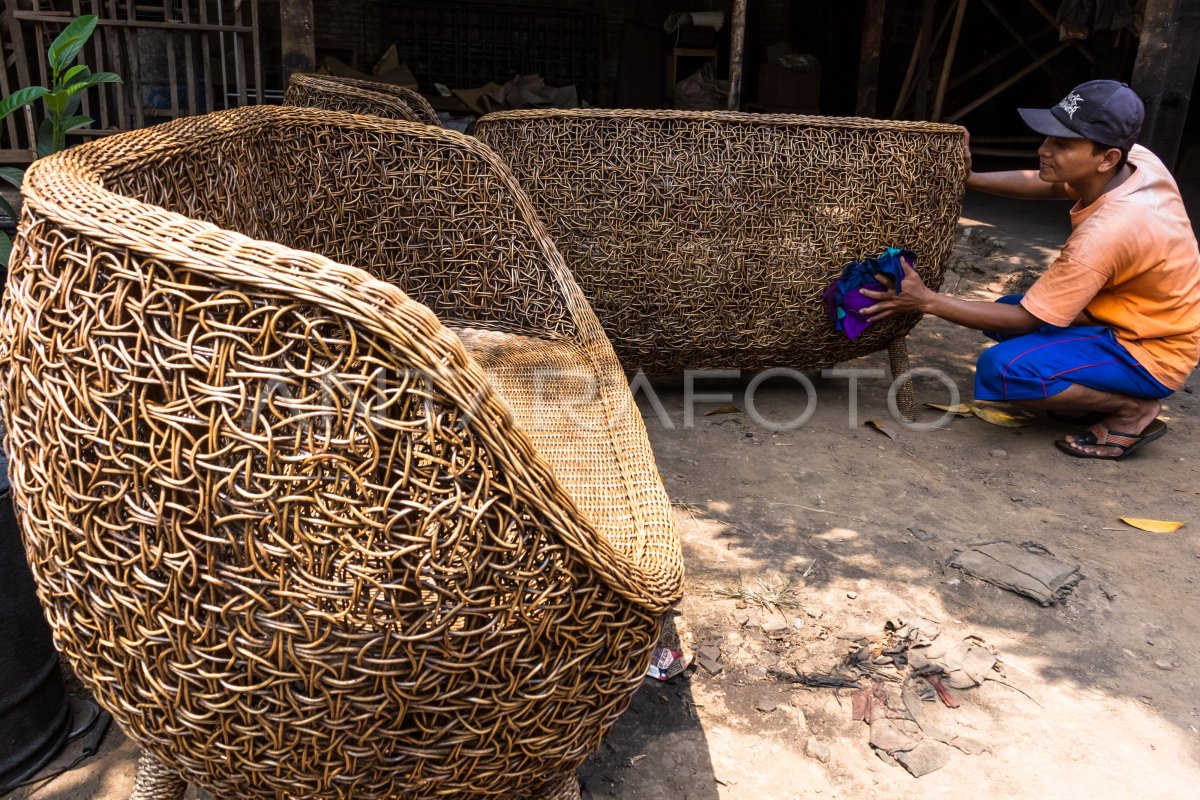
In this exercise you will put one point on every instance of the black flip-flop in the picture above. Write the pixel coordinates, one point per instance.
(1125, 442)
(1090, 418)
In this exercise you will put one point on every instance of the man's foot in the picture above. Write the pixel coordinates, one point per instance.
(1100, 442)
(1097, 441)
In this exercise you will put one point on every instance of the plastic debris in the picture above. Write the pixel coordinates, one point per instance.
(666, 664)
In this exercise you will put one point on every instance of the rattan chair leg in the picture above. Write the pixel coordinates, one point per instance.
(906, 398)
(564, 789)
(156, 781)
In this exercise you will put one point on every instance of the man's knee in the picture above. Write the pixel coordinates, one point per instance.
(991, 363)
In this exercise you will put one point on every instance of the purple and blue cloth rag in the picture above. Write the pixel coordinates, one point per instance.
(844, 303)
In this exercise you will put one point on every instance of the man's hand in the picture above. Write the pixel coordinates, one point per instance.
(967, 150)
(914, 295)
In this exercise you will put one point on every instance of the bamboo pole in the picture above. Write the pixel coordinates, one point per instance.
(944, 79)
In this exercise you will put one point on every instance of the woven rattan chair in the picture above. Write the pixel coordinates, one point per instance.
(705, 239)
(331, 484)
(359, 97)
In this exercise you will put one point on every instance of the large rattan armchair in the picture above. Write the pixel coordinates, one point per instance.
(330, 481)
(705, 239)
(359, 97)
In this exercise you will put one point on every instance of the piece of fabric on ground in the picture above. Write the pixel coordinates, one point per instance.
(1027, 569)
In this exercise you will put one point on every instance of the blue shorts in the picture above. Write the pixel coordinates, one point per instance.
(1049, 360)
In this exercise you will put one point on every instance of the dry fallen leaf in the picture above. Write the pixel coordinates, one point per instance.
(996, 416)
(1153, 525)
(962, 409)
(724, 410)
(882, 427)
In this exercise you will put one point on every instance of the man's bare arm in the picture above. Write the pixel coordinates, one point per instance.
(1020, 183)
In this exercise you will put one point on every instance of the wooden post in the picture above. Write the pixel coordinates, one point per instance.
(868, 58)
(737, 46)
(297, 36)
(1164, 71)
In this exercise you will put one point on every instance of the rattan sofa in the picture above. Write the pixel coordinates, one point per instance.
(359, 97)
(705, 239)
(330, 481)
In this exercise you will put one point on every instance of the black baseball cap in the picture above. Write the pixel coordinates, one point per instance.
(1107, 112)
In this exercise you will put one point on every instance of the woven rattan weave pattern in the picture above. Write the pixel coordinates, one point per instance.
(705, 239)
(359, 97)
(287, 527)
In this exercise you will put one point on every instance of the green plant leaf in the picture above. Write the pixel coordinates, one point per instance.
(5, 249)
(74, 73)
(96, 78)
(72, 106)
(45, 138)
(55, 101)
(67, 44)
(92, 80)
(13, 175)
(71, 123)
(20, 98)
(7, 208)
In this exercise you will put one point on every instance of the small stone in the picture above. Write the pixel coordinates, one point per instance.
(818, 750)
(742, 620)
(798, 623)
(774, 628)
(1166, 666)
(998, 453)
(710, 666)
(765, 706)
(709, 651)
(817, 613)
(852, 595)
(756, 671)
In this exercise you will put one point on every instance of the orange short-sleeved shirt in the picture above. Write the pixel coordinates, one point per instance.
(1132, 264)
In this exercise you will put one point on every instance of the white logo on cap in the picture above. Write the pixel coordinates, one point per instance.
(1070, 104)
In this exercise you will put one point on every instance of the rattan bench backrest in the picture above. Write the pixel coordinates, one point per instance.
(359, 97)
(705, 239)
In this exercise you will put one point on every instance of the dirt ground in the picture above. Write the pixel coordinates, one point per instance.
(1094, 697)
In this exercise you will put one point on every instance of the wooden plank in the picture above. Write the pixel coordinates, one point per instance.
(189, 58)
(239, 61)
(948, 64)
(34, 16)
(210, 103)
(1000, 87)
(259, 80)
(868, 58)
(298, 38)
(172, 71)
(737, 54)
(1164, 72)
(133, 48)
(124, 101)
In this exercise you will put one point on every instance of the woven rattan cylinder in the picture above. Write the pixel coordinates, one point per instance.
(705, 239)
(359, 97)
(287, 396)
